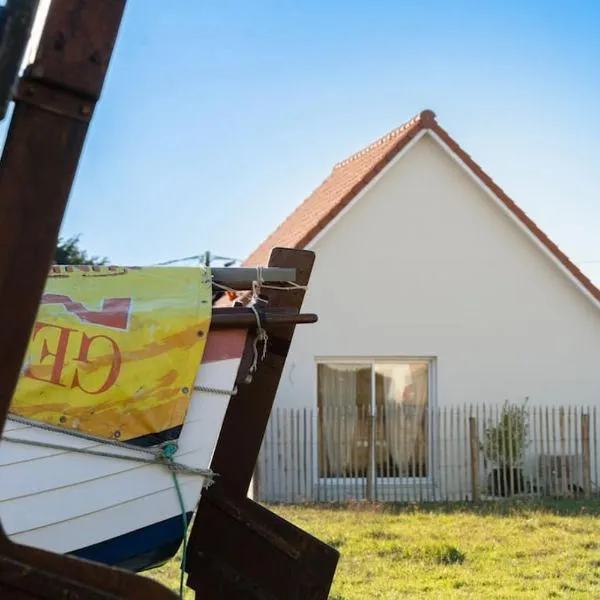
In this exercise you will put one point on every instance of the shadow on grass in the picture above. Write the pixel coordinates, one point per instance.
(507, 508)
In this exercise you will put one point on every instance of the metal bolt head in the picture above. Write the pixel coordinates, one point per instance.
(85, 109)
(185, 390)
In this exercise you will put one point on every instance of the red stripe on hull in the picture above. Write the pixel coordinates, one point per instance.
(224, 344)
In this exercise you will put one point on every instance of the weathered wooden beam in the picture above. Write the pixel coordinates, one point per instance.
(246, 418)
(16, 21)
(238, 549)
(39, 160)
(245, 318)
(241, 278)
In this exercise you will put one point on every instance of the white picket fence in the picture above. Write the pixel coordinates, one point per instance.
(448, 454)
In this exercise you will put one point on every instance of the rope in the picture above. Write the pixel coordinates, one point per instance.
(261, 336)
(291, 285)
(168, 452)
(164, 454)
(259, 284)
(211, 390)
(158, 457)
(155, 452)
(80, 435)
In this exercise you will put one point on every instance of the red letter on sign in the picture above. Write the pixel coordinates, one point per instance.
(115, 367)
(59, 355)
(114, 313)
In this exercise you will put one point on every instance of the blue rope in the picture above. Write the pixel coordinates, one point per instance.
(168, 452)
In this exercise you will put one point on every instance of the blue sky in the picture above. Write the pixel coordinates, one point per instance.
(219, 117)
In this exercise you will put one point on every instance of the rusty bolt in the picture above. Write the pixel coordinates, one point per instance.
(85, 109)
(117, 434)
(185, 390)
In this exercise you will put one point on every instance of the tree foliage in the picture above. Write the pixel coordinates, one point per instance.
(69, 252)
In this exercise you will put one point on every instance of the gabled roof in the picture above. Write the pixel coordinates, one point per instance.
(349, 177)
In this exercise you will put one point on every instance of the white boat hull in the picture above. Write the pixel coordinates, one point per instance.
(111, 510)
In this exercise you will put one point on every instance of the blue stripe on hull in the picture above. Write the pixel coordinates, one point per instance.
(141, 549)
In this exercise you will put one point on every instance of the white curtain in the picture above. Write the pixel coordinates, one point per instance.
(338, 391)
(406, 399)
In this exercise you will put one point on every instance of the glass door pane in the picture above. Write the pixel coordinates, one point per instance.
(402, 419)
(344, 400)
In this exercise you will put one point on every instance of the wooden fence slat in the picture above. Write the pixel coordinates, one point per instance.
(474, 442)
(560, 454)
(585, 450)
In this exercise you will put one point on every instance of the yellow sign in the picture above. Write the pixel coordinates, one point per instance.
(115, 351)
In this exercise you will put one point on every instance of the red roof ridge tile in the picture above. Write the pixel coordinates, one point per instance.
(425, 117)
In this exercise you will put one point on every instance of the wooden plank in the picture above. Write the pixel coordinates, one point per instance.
(474, 443)
(242, 277)
(237, 549)
(246, 318)
(246, 418)
(253, 554)
(585, 450)
(16, 21)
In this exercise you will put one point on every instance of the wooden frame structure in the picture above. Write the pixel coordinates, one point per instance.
(54, 103)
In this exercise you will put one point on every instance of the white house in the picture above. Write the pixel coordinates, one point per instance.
(433, 290)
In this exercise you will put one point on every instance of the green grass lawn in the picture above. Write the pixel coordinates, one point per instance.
(454, 551)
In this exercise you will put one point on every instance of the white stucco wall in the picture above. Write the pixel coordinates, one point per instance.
(426, 265)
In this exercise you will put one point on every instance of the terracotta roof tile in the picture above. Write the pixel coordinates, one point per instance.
(351, 175)
(345, 181)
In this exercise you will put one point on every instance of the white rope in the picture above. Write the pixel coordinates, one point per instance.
(158, 459)
(290, 285)
(211, 390)
(261, 336)
(80, 434)
(259, 284)
(154, 455)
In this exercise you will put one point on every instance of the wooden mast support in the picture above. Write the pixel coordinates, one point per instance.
(246, 318)
(238, 549)
(54, 104)
(241, 278)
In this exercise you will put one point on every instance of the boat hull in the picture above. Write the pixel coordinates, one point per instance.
(107, 509)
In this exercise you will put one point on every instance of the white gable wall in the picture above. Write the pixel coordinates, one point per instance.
(426, 265)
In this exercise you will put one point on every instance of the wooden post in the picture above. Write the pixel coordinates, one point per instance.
(585, 450)
(370, 464)
(564, 472)
(474, 459)
(54, 102)
(237, 548)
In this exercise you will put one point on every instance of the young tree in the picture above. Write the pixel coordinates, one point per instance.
(68, 252)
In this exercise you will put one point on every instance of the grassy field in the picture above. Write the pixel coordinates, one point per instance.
(454, 551)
